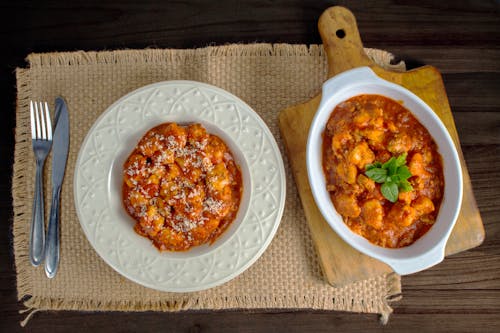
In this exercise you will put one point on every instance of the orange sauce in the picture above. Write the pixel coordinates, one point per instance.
(182, 186)
(372, 128)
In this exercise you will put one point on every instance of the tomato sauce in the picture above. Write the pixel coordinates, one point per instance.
(182, 186)
(372, 128)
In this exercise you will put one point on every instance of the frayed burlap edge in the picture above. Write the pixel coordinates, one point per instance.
(381, 306)
(34, 304)
(382, 58)
(19, 186)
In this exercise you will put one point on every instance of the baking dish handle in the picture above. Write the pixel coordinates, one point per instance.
(414, 265)
(346, 79)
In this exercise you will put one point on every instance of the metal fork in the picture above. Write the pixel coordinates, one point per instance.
(41, 139)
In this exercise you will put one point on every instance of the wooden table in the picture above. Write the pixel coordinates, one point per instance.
(461, 39)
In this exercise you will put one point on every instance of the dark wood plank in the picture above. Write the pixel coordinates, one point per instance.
(466, 60)
(460, 38)
(290, 322)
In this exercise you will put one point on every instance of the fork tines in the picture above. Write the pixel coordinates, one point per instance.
(41, 126)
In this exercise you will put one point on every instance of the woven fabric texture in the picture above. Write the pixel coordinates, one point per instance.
(267, 77)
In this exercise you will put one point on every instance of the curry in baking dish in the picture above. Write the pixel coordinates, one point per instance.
(182, 186)
(383, 170)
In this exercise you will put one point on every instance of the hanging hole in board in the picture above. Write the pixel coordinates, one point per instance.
(340, 33)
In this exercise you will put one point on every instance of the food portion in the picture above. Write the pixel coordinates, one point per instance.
(383, 171)
(182, 186)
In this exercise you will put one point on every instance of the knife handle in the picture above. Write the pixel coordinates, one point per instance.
(37, 232)
(52, 241)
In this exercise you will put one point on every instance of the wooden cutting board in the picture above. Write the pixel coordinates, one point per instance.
(342, 264)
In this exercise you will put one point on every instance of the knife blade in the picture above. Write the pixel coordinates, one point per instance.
(60, 149)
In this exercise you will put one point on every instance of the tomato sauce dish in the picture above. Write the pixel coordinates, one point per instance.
(182, 186)
(384, 171)
(179, 186)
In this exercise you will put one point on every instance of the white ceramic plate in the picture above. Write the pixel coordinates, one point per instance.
(98, 183)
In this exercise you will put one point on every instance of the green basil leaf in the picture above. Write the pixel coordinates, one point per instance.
(393, 176)
(373, 165)
(401, 160)
(389, 162)
(405, 186)
(403, 172)
(377, 174)
(390, 191)
(391, 166)
(393, 179)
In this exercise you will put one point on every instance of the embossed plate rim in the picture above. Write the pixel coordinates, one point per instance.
(268, 141)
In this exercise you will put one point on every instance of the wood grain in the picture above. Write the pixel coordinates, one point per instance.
(341, 264)
(344, 50)
(460, 38)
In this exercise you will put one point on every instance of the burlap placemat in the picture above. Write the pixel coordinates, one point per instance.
(267, 77)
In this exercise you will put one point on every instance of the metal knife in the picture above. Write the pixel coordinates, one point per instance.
(59, 157)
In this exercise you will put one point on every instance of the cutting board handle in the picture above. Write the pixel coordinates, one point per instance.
(344, 49)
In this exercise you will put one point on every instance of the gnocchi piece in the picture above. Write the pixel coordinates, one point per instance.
(402, 214)
(423, 205)
(218, 178)
(340, 140)
(366, 183)
(406, 197)
(377, 123)
(215, 149)
(151, 145)
(373, 213)
(361, 155)
(399, 144)
(347, 205)
(347, 172)
(197, 135)
(361, 119)
(375, 136)
(137, 199)
(417, 165)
